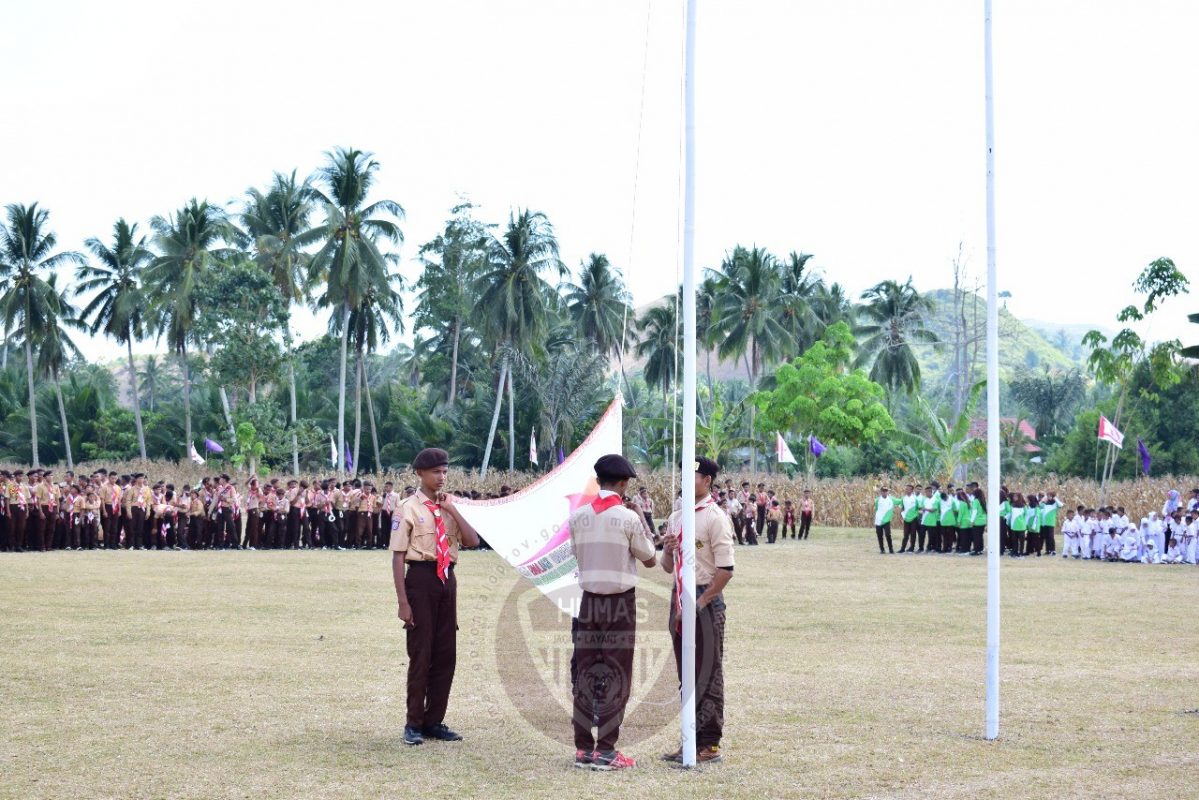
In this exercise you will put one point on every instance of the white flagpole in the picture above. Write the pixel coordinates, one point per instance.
(689, 362)
(993, 481)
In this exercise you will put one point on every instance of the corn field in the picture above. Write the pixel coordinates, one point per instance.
(839, 502)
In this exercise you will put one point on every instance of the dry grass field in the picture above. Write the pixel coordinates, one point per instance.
(281, 675)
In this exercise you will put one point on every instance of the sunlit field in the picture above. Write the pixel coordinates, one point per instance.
(849, 674)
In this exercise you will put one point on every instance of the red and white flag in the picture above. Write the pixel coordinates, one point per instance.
(533, 446)
(1108, 432)
(781, 451)
(193, 455)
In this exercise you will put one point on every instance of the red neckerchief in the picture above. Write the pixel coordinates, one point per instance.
(443, 541)
(601, 504)
(678, 569)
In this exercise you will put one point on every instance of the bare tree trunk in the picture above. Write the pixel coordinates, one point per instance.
(62, 415)
(495, 417)
(228, 415)
(454, 364)
(358, 412)
(32, 401)
(291, 385)
(511, 423)
(137, 403)
(187, 396)
(341, 394)
(370, 412)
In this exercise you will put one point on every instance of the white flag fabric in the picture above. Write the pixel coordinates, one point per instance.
(332, 452)
(528, 528)
(533, 446)
(782, 451)
(193, 455)
(1108, 432)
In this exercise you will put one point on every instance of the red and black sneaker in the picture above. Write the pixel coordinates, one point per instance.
(612, 760)
(584, 758)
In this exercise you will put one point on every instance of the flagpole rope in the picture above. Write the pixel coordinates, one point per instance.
(624, 325)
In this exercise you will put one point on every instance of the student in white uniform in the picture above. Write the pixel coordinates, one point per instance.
(1186, 543)
(1152, 554)
(1072, 533)
(1129, 544)
(1158, 531)
(1173, 555)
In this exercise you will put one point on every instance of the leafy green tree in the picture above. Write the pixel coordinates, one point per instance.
(893, 318)
(349, 261)
(1117, 363)
(189, 243)
(279, 224)
(249, 449)
(244, 313)
(153, 379)
(799, 289)
(567, 386)
(118, 307)
(516, 295)
(821, 394)
(723, 429)
(27, 251)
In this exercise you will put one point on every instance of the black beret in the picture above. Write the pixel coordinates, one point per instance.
(614, 467)
(431, 458)
(706, 466)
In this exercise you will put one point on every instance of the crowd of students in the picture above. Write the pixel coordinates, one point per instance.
(953, 519)
(109, 511)
(758, 512)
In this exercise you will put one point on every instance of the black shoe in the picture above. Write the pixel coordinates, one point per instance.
(412, 735)
(442, 733)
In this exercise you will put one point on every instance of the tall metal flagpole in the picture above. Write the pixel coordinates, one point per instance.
(689, 363)
(993, 482)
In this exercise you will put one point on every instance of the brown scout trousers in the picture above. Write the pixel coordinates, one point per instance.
(709, 668)
(603, 639)
(432, 642)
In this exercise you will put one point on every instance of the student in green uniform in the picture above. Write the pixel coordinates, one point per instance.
(1005, 530)
(978, 512)
(949, 520)
(1032, 517)
(965, 522)
(911, 505)
(884, 510)
(930, 517)
(1018, 522)
(1049, 506)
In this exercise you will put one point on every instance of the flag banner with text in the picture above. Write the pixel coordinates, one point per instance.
(528, 528)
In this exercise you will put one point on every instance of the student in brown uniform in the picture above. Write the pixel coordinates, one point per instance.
(425, 536)
(609, 537)
(713, 571)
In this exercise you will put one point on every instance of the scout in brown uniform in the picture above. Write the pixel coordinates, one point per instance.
(609, 538)
(713, 570)
(425, 536)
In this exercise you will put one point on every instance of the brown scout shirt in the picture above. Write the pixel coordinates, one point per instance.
(414, 531)
(713, 540)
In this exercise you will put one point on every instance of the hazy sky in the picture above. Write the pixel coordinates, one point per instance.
(851, 129)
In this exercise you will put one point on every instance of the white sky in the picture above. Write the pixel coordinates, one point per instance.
(852, 129)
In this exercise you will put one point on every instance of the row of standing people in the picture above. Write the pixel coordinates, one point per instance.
(109, 511)
(761, 513)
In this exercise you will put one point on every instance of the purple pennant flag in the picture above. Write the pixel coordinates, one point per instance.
(212, 446)
(1146, 459)
(349, 460)
(815, 446)
(561, 455)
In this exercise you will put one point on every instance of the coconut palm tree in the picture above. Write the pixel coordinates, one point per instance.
(517, 298)
(349, 261)
(189, 243)
(55, 347)
(746, 315)
(797, 295)
(660, 342)
(151, 378)
(278, 223)
(599, 305)
(445, 290)
(26, 252)
(892, 319)
(119, 305)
